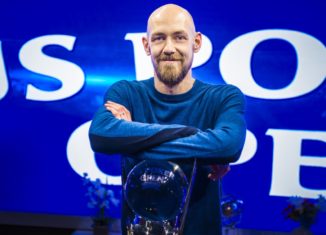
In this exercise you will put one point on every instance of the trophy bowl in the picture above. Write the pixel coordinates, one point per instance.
(156, 190)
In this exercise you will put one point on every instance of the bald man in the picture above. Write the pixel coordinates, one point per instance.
(174, 117)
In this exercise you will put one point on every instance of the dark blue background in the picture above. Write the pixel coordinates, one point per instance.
(35, 175)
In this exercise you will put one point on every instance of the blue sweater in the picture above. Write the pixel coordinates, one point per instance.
(207, 122)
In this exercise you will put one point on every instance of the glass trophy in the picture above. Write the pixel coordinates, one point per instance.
(157, 193)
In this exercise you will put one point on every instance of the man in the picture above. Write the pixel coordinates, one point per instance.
(174, 117)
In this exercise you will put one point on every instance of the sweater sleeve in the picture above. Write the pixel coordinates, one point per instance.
(221, 144)
(110, 135)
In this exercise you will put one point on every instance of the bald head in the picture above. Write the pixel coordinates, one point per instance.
(171, 41)
(170, 14)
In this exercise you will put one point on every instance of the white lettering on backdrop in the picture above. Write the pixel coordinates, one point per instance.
(311, 68)
(70, 75)
(3, 76)
(82, 159)
(287, 160)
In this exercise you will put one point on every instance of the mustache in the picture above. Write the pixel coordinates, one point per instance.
(170, 58)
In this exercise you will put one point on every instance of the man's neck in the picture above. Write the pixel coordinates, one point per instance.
(185, 85)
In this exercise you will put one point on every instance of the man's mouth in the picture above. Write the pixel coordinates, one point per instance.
(170, 60)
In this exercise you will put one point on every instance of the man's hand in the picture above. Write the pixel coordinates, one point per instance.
(118, 111)
(218, 171)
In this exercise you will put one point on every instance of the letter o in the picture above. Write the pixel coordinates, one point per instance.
(311, 70)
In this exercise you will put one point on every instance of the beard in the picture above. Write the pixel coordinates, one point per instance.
(171, 74)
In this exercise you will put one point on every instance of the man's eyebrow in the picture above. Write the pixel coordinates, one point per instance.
(180, 32)
(157, 34)
(174, 33)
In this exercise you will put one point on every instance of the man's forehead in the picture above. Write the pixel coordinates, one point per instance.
(171, 16)
(164, 28)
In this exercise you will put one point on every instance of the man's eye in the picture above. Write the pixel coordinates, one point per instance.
(157, 39)
(181, 38)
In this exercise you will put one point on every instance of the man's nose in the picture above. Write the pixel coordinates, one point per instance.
(169, 48)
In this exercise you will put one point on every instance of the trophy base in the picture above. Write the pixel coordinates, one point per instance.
(152, 228)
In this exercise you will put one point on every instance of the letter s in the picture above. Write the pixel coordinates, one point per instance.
(32, 58)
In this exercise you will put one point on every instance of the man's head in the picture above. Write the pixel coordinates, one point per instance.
(171, 42)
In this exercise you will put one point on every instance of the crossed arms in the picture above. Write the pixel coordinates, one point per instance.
(113, 131)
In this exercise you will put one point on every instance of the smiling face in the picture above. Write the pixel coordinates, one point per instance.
(171, 42)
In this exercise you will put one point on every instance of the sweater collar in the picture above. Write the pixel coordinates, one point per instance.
(172, 98)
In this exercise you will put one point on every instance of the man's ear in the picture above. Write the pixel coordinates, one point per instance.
(197, 42)
(146, 45)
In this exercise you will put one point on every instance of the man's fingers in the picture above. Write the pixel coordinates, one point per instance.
(112, 108)
(114, 112)
(118, 107)
(118, 111)
(119, 115)
(218, 171)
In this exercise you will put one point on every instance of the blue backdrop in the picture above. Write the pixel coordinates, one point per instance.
(57, 58)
